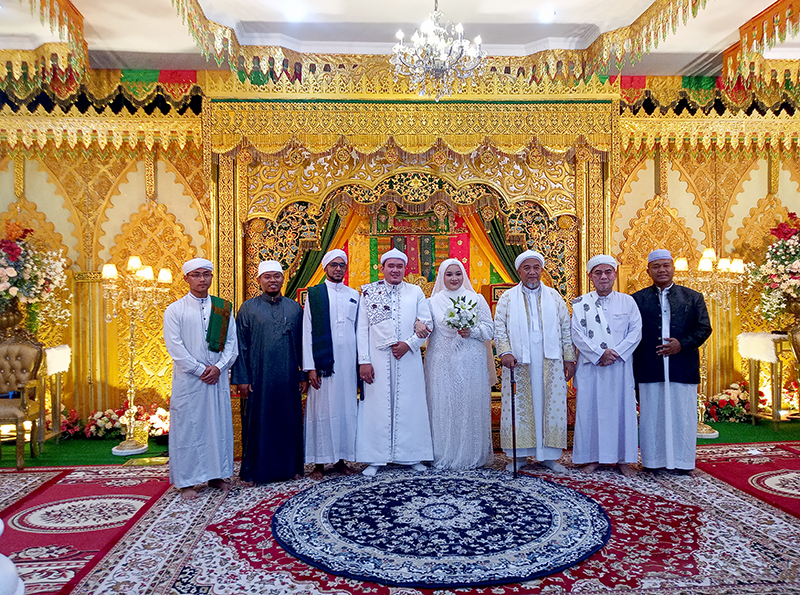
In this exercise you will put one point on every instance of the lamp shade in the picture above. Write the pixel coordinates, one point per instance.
(109, 272)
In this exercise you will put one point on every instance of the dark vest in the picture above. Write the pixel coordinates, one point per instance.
(689, 324)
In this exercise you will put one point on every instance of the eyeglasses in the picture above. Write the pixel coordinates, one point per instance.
(200, 275)
(338, 265)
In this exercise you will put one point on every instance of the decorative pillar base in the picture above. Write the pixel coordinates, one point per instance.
(128, 448)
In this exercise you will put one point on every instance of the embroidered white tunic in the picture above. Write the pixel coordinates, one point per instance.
(201, 426)
(606, 429)
(330, 424)
(534, 326)
(393, 424)
(667, 413)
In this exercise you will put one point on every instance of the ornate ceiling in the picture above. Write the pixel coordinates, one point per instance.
(640, 37)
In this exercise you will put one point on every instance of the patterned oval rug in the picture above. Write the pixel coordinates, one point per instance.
(441, 529)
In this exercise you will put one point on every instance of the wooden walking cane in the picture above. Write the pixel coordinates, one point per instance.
(514, 421)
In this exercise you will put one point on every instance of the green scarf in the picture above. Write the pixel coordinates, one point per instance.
(321, 338)
(218, 323)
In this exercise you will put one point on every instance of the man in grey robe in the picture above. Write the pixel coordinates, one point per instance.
(201, 426)
(269, 379)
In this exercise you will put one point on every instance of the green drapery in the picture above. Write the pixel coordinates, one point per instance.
(311, 259)
(506, 252)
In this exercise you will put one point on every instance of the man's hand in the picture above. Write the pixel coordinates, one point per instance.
(400, 349)
(244, 390)
(303, 387)
(314, 380)
(671, 347)
(421, 329)
(465, 332)
(569, 370)
(367, 373)
(609, 357)
(210, 375)
(508, 361)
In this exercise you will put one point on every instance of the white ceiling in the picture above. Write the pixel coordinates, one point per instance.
(150, 33)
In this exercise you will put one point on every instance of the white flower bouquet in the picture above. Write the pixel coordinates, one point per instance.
(463, 314)
(159, 422)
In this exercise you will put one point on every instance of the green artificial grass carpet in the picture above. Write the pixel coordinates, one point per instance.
(73, 451)
(82, 451)
(763, 431)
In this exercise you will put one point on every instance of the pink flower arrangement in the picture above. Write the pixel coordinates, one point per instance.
(70, 423)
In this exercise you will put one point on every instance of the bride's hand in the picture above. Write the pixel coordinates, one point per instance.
(465, 332)
(421, 329)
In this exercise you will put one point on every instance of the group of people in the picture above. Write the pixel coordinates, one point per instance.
(371, 398)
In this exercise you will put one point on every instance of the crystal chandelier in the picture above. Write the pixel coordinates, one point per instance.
(437, 55)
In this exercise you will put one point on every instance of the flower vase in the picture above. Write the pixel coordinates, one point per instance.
(10, 315)
(793, 307)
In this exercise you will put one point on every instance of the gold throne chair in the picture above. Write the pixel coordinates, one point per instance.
(20, 360)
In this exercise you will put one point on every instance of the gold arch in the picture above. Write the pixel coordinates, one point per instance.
(657, 225)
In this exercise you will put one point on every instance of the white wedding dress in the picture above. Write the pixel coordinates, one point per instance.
(458, 389)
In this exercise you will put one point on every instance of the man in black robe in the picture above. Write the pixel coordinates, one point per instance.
(270, 382)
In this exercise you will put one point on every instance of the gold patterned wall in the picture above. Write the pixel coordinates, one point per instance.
(273, 154)
(726, 199)
(263, 167)
(100, 204)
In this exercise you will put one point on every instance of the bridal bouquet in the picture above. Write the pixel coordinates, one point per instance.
(462, 314)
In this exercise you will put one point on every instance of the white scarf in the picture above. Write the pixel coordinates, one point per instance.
(519, 325)
(441, 296)
(440, 302)
(591, 316)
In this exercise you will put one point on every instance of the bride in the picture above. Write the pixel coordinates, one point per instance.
(457, 375)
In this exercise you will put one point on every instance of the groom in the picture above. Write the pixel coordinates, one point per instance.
(392, 424)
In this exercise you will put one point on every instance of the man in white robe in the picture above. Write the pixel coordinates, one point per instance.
(393, 424)
(532, 337)
(606, 328)
(666, 366)
(332, 403)
(200, 334)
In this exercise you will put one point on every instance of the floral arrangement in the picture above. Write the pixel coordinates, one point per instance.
(110, 423)
(462, 314)
(104, 424)
(790, 396)
(159, 421)
(779, 276)
(732, 404)
(30, 277)
(70, 423)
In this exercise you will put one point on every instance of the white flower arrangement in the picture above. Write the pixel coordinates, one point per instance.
(31, 277)
(462, 314)
(779, 276)
(103, 424)
(159, 422)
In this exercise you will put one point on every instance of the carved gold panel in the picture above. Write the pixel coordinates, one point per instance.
(657, 225)
(272, 126)
(715, 181)
(154, 235)
(297, 174)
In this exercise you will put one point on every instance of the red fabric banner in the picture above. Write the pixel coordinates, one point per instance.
(412, 251)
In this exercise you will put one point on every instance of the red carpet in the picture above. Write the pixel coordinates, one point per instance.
(770, 472)
(671, 535)
(70, 518)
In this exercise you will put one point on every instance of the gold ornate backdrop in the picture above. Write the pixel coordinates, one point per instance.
(577, 162)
